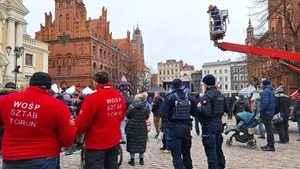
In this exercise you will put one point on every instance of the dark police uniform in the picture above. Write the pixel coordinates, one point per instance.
(210, 114)
(179, 128)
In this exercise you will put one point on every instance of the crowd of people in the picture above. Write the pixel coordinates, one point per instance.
(102, 120)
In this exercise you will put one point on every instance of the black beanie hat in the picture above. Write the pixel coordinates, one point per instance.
(177, 83)
(41, 79)
(11, 85)
(209, 80)
(101, 76)
(299, 90)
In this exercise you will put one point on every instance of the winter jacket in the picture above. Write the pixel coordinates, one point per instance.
(256, 105)
(282, 104)
(36, 125)
(267, 101)
(136, 128)
(100, 117)
(240, 105)
(297, 106)
(156, 105)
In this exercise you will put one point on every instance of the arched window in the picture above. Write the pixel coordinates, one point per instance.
(69, 66)
(68, 22)
(69, 70)
(60, 22)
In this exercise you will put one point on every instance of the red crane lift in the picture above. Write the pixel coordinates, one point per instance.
(218, 34)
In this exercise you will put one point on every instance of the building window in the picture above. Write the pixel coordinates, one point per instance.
(226, 70)
(59, 71)
(220, 71)
(60, 22)
(241, 78)
(68, 22)
(215, 71)
(101, 53)
(235, 70)
(236, 78)
(94, 51)
(205, 72)
(226, 86)
(69, 70)
(241, 69)
(226, 78)
(242, 86)
(28, 60)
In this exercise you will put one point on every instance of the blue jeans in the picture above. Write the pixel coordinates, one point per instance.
(166, 134)
(122, 128)
(298, 122)
(132, 155)
(197, 125)
(261, 129)
(37, 163)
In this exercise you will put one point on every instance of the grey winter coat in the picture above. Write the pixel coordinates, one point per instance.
(136, 128)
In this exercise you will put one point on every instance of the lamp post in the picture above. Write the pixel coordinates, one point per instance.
(19, 50)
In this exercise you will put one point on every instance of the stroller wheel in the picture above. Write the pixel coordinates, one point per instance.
(229, 142)
(252, 144)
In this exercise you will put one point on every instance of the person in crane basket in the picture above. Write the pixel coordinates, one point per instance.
(215, 14)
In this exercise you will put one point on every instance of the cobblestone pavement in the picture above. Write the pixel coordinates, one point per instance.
(237, 156)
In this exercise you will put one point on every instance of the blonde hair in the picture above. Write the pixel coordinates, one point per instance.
(141, 96)
(23, 86)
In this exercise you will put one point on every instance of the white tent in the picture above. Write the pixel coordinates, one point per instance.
(54, 87)
(247, 90)
(87, 90)
(71, 89)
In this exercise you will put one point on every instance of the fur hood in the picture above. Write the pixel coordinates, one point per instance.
(5, 91)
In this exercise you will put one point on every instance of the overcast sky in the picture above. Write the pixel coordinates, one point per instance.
(171, 29)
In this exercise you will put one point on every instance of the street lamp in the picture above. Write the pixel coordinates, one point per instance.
(19, 50)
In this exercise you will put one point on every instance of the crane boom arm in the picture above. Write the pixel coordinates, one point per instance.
(274, 54)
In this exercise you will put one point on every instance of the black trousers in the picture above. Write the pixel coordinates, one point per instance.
(267, 121)
(283, 131)
(99, 159)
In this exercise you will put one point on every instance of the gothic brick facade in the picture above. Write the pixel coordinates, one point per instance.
(79, 45)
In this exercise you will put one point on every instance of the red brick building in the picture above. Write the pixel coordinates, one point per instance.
(79, 45)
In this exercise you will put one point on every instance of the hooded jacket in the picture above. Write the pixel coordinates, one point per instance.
(241, 102)
(36, 125)
(100, 117)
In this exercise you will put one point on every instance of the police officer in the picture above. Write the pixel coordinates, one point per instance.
(210, 113)
(177, 108)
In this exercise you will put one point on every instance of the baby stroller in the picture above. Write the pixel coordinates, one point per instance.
(245, 120)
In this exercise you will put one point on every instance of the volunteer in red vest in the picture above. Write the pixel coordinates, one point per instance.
(36, 126)
(100, 118)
